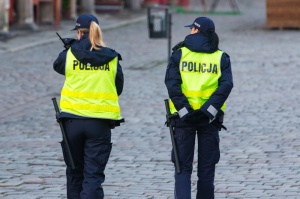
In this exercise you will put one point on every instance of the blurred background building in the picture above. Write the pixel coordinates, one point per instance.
(32, 13)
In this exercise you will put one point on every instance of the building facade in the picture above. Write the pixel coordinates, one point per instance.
(29, 14)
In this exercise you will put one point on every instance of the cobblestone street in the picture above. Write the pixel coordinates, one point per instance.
(260, 152)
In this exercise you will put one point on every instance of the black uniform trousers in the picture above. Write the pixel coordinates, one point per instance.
(208, 157)
(90, 145)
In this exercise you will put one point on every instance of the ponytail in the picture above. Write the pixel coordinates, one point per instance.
(95, 36)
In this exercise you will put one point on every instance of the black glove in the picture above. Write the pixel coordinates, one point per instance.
(68, 42)
(194, 116)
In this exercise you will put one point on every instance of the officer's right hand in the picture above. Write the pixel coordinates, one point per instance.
(194, 116)
(68, 42)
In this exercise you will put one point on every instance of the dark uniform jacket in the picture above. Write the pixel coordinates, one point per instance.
(81, 50)
(198, 43)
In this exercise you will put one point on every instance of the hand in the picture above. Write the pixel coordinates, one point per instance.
(194, 116)
(68, 42)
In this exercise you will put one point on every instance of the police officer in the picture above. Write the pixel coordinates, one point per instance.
(198, 80)
(89, 105)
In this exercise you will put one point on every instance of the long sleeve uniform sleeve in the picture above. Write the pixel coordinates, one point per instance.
(173, 83)
(225, 84)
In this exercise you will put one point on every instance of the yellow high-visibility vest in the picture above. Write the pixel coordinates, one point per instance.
(200, 73)
(90, 91)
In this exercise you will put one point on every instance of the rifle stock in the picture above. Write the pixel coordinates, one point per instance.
(168, 116)
(64, 135)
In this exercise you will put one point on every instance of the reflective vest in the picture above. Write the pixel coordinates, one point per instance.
(200, 73)
(90, 91)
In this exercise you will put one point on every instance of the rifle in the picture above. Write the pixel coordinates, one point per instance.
(67, 41)
(64, 135)
(168, 122)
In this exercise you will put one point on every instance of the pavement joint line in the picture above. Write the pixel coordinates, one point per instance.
(43, 42)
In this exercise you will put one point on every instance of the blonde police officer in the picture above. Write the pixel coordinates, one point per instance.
(89, 106)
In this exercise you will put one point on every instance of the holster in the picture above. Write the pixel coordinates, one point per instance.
(114, 123)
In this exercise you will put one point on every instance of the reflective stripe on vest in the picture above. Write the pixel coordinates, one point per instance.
(200, 73)
(90, 91)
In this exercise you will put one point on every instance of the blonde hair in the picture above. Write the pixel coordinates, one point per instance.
(95, 35)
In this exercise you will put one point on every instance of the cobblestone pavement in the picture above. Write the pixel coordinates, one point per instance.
(260, 152)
